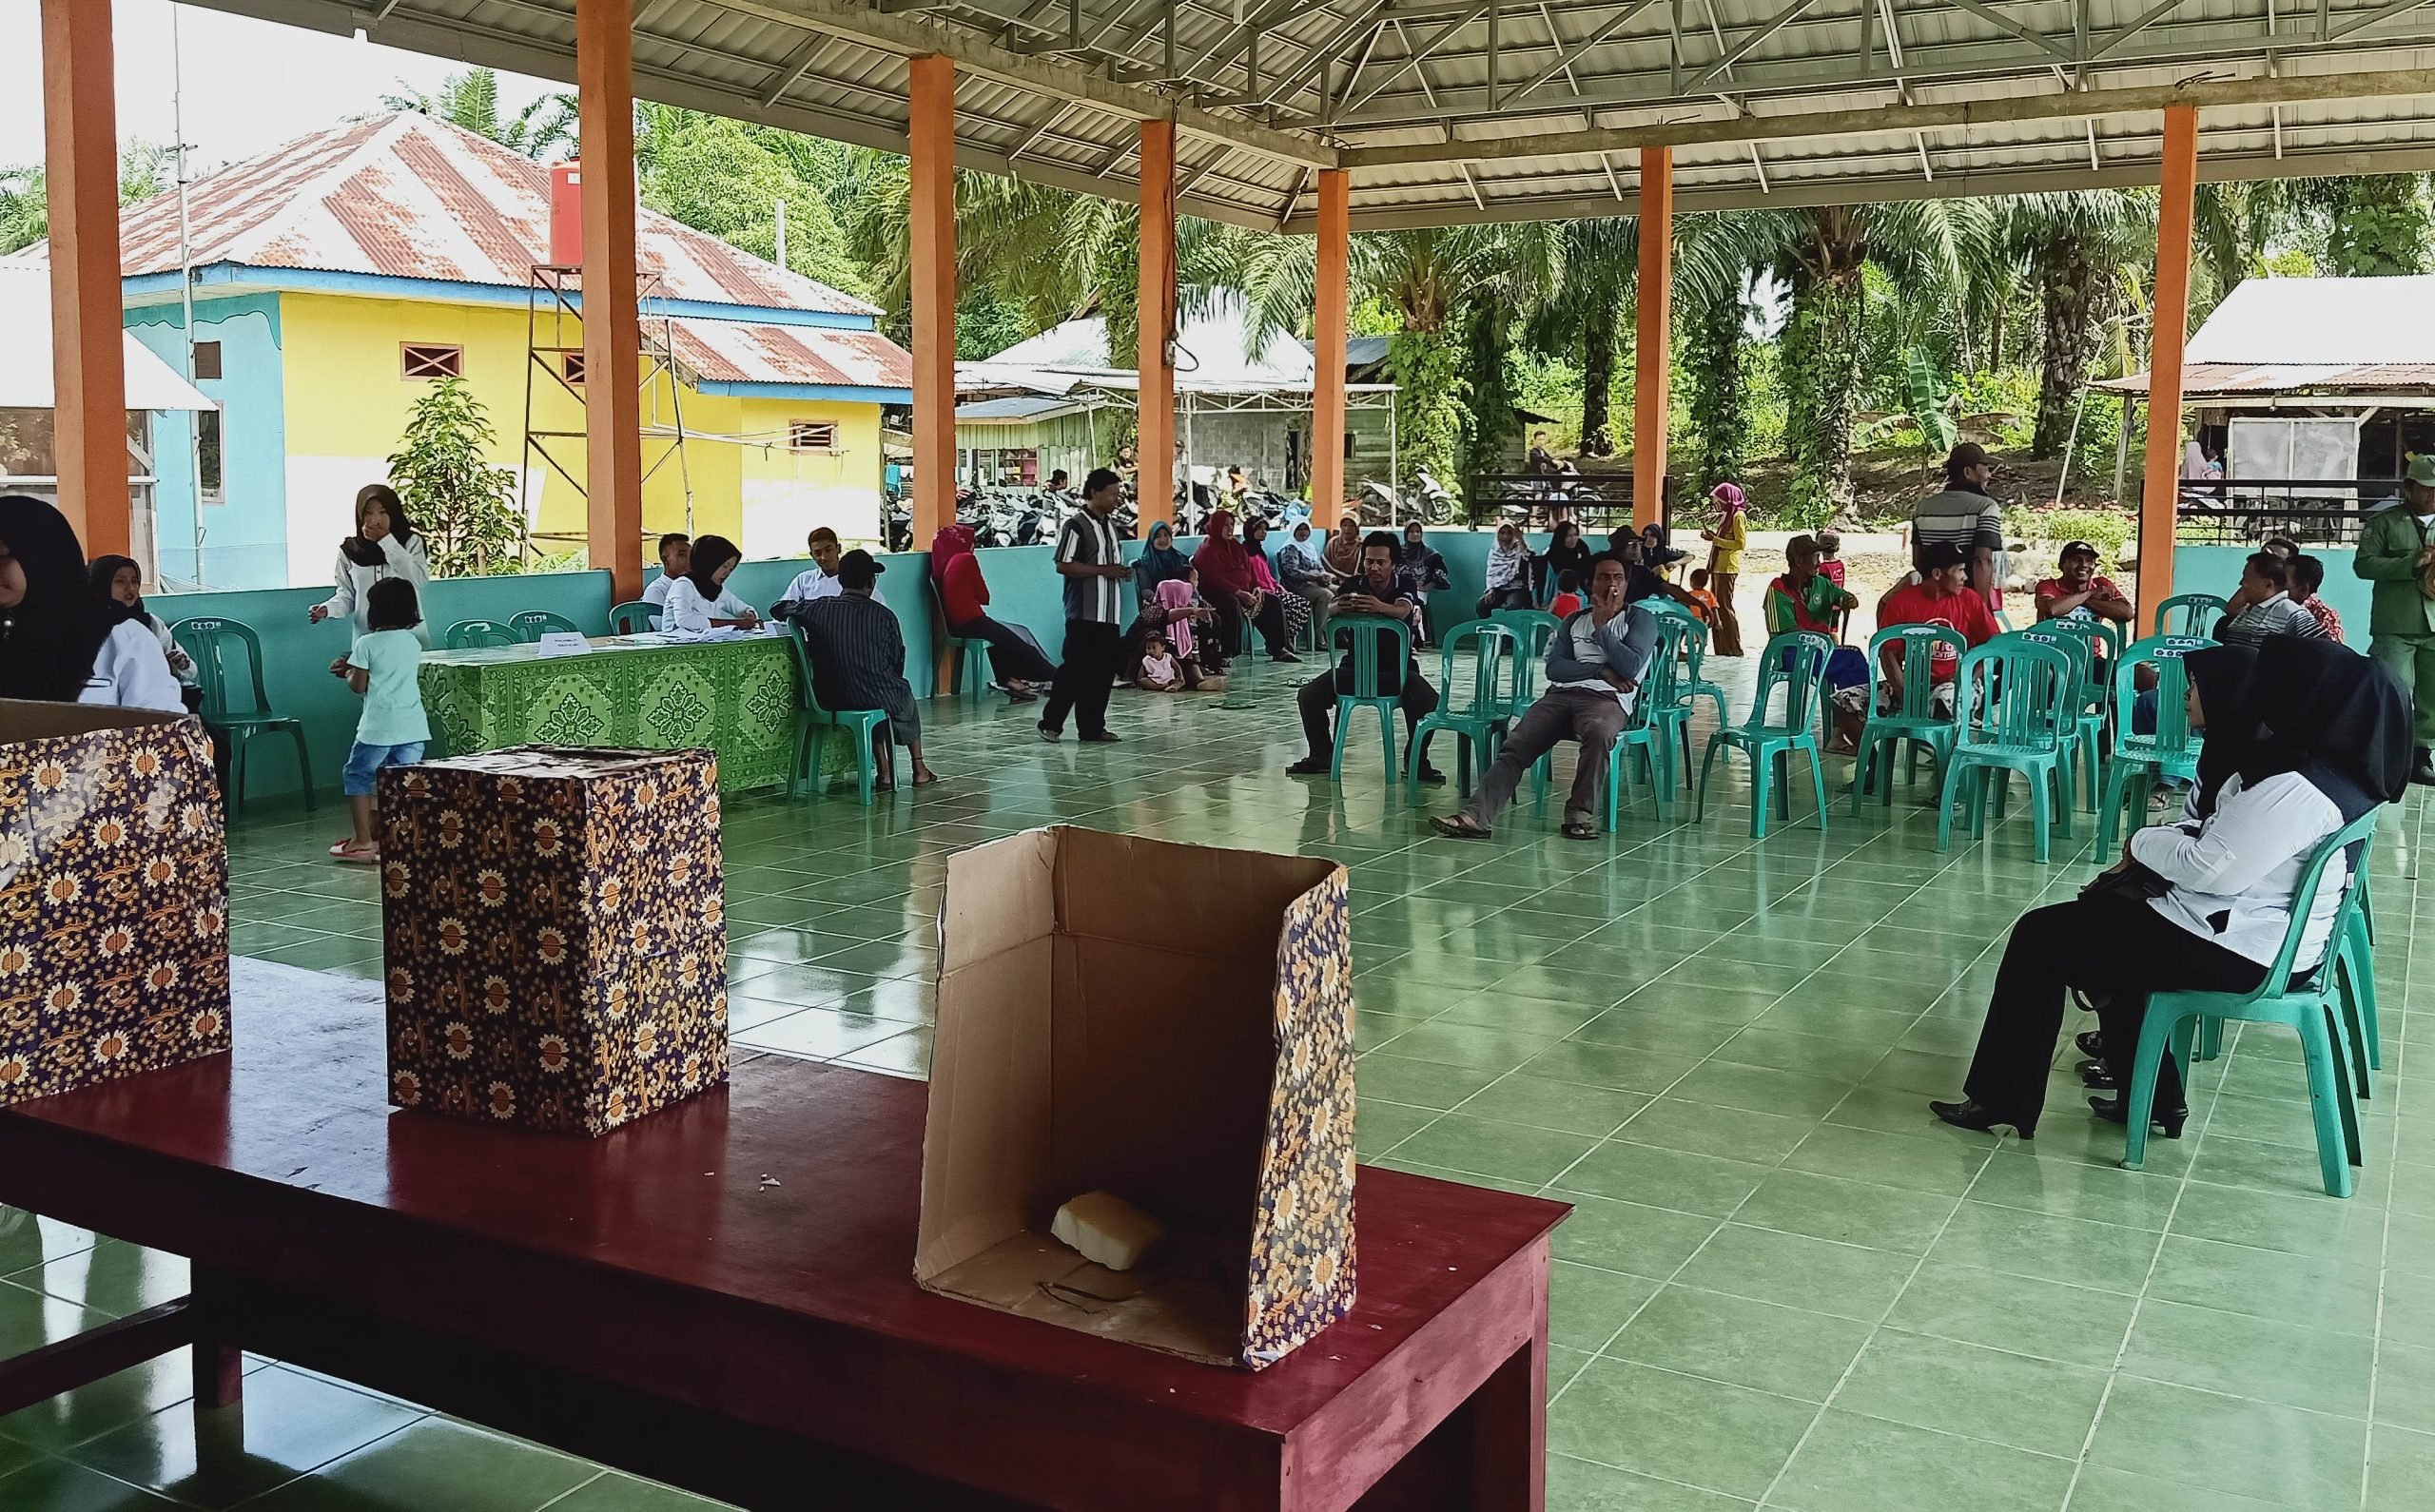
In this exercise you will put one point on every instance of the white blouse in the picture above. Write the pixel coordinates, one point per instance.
(2233, 875)
(130, 672)
(689, 612)
(411, 561)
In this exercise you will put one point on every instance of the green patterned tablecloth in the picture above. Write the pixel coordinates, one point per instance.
(737, 697)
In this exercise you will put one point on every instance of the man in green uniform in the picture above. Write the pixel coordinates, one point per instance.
(2394, 554)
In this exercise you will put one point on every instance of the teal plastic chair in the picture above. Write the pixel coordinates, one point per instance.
(1534, 631)
(2355, 961)
(2084, 729)
(1479, 725)
(1662, 710)
(2093, 705)
(1796, 661)
(1915, 726)
(467, 634)
(2170, 750)
(535, 623)
(2308, 1004)
(1693, 685)
(1359, 655)
(2190, 614)
(812, 723)
(639, 617)
(972, 670)
(2012, 697)
(207, 639)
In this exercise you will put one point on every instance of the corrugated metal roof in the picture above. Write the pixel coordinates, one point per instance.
(748, 352)
(410, 197)
(2201, 379)
(2287, 336)
(1526, 111)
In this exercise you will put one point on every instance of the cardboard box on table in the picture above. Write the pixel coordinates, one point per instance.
(113, 895)
(555, 930)
(1169, 1023)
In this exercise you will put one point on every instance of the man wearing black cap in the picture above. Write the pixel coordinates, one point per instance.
(2077, 592)
(1940, 597)
(1963, 517)
(857, 654)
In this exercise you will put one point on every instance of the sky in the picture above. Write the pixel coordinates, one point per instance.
(249, 84)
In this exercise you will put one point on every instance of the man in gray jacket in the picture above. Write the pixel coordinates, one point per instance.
(1595, 665)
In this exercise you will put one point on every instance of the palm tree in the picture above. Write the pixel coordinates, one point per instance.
(471, 99)
(1823, 256)
(1584, 312)
(2077, 250)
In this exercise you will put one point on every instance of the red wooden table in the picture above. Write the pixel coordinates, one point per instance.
(721, 1295)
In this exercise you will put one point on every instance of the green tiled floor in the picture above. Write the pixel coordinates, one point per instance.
(1785, 1283)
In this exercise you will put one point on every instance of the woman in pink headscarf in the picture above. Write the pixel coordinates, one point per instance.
(1726, 545)
(1016, 661)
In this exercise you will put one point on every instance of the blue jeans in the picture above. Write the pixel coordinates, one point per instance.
(364, 761)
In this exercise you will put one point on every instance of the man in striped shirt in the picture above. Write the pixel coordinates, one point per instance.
(857, 652)
(2262, 605)
(1092, 564)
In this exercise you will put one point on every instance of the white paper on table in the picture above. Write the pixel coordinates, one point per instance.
(562, 643)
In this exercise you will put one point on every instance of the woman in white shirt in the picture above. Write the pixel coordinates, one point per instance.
(699, 600)
(2319, 737)
(60, 641)
(385, 544)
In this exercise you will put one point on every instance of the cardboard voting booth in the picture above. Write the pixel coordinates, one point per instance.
(1169, 1024)
(113, 895)
(555, 930)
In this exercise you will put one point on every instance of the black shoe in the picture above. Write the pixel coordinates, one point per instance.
(2091, 1043)
(1432, 777)
(2168, 1119)
(1020, 695)
(1312, 766)
(2423, 772)
(1099, 738)
(2098, 1075)
(1968, 1115)
(1283, 656)
(1049, 733)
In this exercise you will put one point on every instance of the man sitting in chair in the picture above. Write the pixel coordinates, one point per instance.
(1942, 597)
(1379, 590)
(1595, 665)
(857, 652)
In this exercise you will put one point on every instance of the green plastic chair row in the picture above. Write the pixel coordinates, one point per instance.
(1794, 662)
(1661, 716)
(2190, 614)
(209, 640)
(2336, 1041)
(529, 625)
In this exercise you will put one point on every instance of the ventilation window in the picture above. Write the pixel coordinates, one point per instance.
(207, 359)
(811, 435)
(571, 366)
(426, 362)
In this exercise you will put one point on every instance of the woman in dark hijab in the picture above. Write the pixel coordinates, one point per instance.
(1567, 552)
(60, 641)
(2319, 736)
(1160, 561)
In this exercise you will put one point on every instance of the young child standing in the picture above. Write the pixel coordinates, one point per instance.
(384, 666)
(1703, 600)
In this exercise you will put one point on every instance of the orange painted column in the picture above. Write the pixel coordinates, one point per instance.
(2161, 488)
(1653, 343)
(613, 337)
(932, 194)
(87, 358)
(1155, 441)
(1334, 300)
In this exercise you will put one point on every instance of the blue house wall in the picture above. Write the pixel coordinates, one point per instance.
(244, 544)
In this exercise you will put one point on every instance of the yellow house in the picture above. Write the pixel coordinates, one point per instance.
(338, 276)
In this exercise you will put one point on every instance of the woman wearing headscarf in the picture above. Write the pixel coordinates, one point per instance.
(385, 544)
(1421, 570)
(1232, 586)
(1302, 574)
(120, 579)
(1567, 552)
(699, 602)
(1161, 562)
(1016, 661)
(2318, 736)
(60, 641)
(1344, 549)
(1727, 542)
(1508, 574)
(1295, 609)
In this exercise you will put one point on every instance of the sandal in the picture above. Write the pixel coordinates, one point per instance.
(1457, 827)
(358, 854)
(1576, 830)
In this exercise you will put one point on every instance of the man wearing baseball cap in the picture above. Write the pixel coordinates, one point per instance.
(857, 654)
(2076, 591)
(2397, 555)
(1965, 517)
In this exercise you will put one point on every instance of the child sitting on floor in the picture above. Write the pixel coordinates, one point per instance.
(382, 666)
(1160, 673)
(1568, 600)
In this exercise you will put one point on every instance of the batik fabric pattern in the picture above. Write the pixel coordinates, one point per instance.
(553, 921)
(1302, 1245)
(113, 907)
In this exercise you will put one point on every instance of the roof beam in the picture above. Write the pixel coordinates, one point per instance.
(1567, 56)
(1723, 67)
(2014, 28)
(2286, 90)
(1412, 56)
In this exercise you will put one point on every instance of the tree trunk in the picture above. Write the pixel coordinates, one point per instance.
(2063, 273)
(1831, 309)
(1598, 380)
(1712, 371)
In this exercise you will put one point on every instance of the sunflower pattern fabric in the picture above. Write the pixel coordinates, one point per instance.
(113, 902)
(555, 932)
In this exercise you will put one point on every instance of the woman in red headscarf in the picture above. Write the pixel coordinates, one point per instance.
(1233, 586)
(1016, 661)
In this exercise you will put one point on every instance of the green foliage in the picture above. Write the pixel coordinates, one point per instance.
(1426, 373)
(462, 503)
(1488, 420)
(2380, 227)
(1549, 386)
(722, 177)
(2108, 529)
(985, 324)
(470, 100)
(1715, 393)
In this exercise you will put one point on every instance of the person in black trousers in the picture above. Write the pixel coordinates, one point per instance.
(1092, 564)
(1379, 590)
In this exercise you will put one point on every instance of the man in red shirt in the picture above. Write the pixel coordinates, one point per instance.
(2077, 592)
(1940, 597)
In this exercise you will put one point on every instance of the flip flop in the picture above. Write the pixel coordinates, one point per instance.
(1577, 831)
(1455, 828)
(358, 855)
